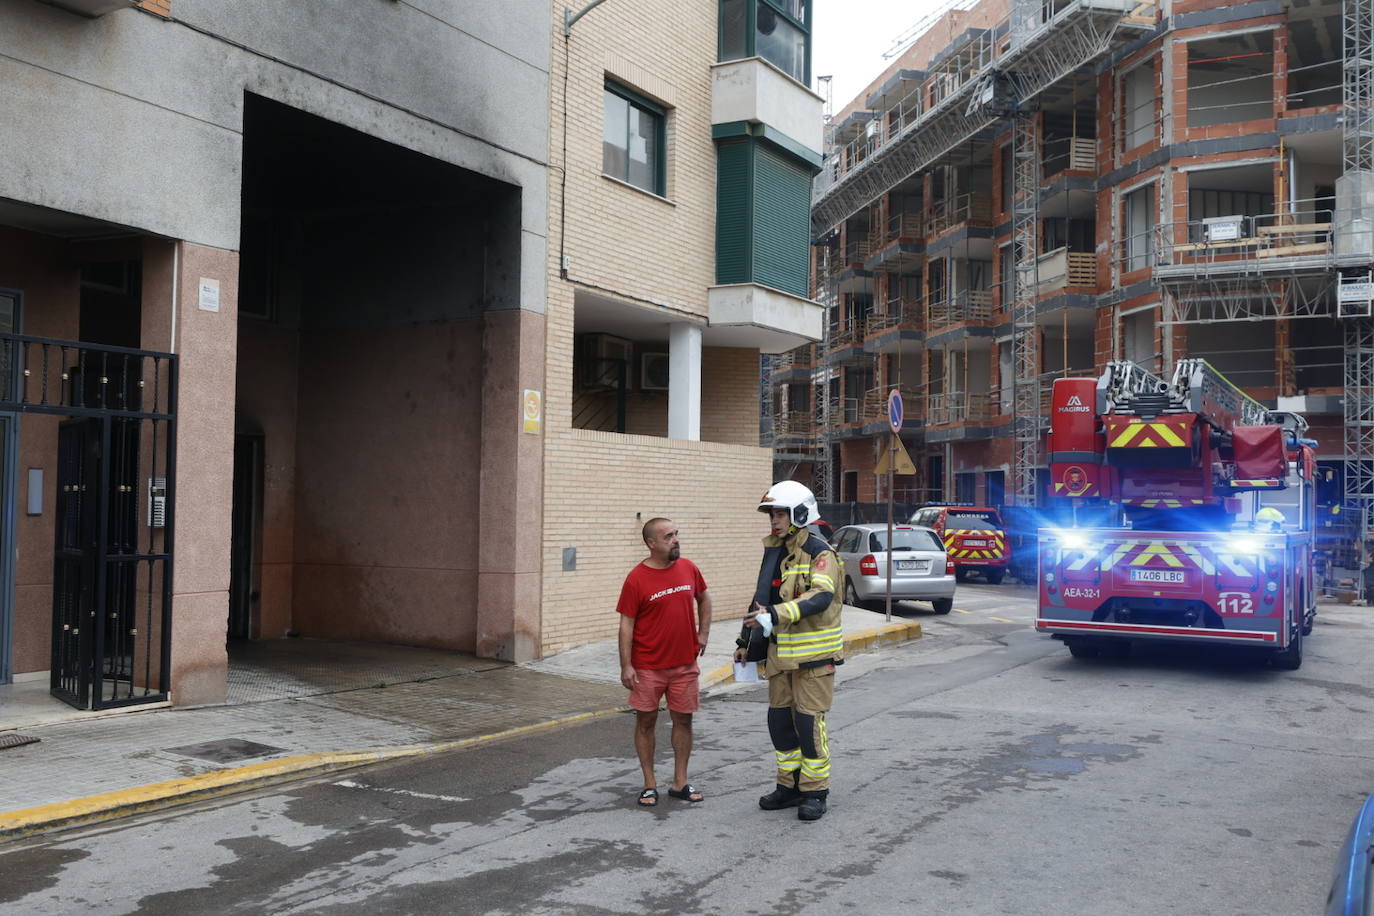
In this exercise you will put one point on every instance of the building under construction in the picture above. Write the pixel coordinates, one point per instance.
(1034, 189)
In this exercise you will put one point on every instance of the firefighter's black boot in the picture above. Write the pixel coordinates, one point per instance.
(812, 806)
(781, 797)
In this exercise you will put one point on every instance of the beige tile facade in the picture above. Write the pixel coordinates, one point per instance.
(654, 257)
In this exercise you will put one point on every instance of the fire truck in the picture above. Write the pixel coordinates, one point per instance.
(1195, 516)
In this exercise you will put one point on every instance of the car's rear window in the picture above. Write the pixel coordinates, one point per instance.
(905, 540)
(971, 522)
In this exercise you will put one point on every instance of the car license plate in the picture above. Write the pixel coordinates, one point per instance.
(975, 542)
(920, 566)
(1157, 575)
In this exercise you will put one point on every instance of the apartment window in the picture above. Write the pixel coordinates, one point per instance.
(1138, 89)
(633, 139)
(779, 31)
(1140, 224)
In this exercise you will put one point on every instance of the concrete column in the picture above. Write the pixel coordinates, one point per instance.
(511, 514)
(206, 340)
(684, 381)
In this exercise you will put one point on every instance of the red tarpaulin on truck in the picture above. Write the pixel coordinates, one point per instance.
(1259, 452)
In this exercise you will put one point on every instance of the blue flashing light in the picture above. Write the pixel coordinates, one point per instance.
(1071, 540)
(1243, 546)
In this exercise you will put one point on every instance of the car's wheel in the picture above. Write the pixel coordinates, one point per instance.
(1289, 659)
(942, 605)
(851, 597)
(1081, 649)
(994, 576)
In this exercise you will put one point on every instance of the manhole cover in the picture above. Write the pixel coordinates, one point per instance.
(226, 750)
(12, 739)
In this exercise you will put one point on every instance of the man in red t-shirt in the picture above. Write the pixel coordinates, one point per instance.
(660, 641)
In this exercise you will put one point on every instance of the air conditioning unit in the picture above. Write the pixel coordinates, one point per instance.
(603, 360)
(653, 372)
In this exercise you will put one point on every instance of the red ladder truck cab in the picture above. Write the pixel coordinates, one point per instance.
(974, 537)
(1209, 502)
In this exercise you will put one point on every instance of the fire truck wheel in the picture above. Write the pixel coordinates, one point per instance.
(1081, 649)
(1289, 659)
(994, 576)
(942, 605)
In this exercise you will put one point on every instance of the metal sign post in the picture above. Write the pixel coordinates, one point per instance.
(894, 419)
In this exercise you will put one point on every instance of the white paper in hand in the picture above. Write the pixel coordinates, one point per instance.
(746, 672)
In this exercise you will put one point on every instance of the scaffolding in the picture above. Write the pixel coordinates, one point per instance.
(1357, 21)
(1049, 41)
(822, 472)
(1024, 338)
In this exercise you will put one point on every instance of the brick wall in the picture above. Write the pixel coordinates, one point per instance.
(156, 7)
(608, 485)
(730, 395)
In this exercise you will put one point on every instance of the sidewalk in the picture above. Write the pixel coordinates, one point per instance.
(97, 768)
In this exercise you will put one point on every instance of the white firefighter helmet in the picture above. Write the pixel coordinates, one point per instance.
(799, 502)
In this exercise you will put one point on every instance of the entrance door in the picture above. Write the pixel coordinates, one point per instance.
(247, 521)
(105, 577)
(75, 560)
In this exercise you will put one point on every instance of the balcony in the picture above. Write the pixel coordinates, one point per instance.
(845, 413)
(900, 312)
(963, 208)
(959, 407)
(900, 247)
(856, 252)
(902, 227)
(846, 341)
(965, 307)
(794, 425)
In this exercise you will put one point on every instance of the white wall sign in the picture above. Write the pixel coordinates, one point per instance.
(209, 295)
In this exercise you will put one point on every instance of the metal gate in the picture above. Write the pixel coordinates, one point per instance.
(112, 557)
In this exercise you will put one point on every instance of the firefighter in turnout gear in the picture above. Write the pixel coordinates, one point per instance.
(793, 630)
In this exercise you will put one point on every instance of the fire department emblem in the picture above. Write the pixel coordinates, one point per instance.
(1075, 481)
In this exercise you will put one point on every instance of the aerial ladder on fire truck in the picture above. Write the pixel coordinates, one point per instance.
(1181, 476)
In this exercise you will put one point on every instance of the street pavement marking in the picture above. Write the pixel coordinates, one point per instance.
(960, 610)
(1000, 619)
(351, 784)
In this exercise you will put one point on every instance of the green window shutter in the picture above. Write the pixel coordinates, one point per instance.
(734, 198)
(782, 220)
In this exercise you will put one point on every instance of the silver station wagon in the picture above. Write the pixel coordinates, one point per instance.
(921, 571)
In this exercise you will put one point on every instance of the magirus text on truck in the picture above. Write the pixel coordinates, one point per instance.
(1195, 516)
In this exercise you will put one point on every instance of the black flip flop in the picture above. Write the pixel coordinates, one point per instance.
(686, 793)
(648, 793)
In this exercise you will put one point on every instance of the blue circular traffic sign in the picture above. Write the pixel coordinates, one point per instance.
(894, 410)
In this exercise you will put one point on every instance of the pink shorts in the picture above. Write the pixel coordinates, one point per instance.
(680, 683)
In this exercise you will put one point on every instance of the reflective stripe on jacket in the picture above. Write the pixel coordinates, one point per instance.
(808, 609)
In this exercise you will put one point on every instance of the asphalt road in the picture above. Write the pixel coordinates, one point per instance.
(979, 770)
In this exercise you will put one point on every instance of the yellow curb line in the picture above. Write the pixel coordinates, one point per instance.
(142, 799)
(859, 642)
